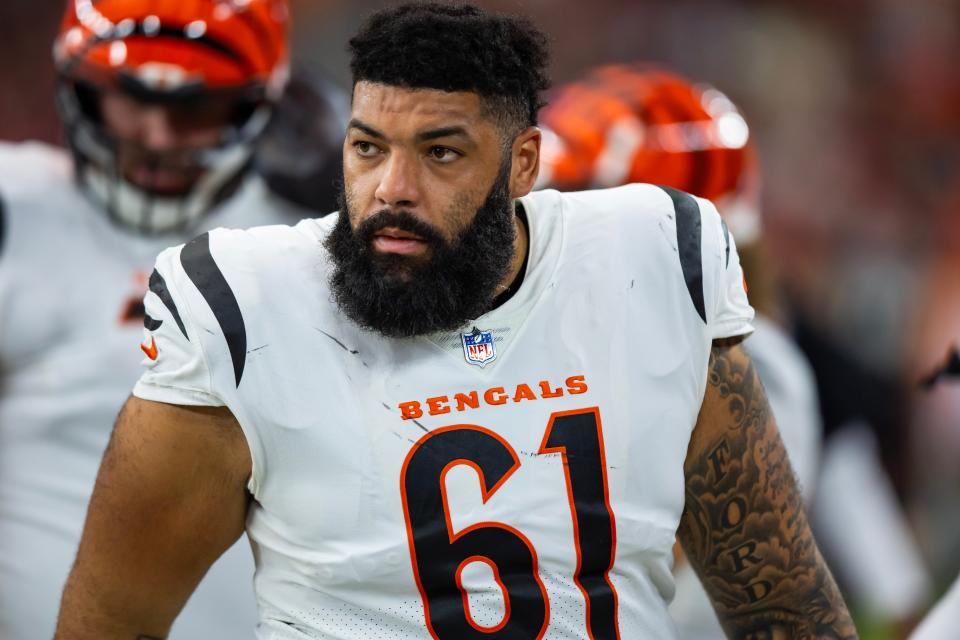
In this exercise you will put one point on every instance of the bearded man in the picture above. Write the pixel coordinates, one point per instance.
(457, 409)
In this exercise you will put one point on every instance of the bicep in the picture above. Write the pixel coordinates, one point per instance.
(743, 525)
(169, 499)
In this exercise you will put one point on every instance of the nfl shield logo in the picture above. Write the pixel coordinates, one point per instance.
(478, 347)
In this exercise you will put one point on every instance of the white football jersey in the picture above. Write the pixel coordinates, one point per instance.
(71, 291)
(519, 478)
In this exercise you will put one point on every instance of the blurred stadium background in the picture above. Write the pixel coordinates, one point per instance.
(855, 107)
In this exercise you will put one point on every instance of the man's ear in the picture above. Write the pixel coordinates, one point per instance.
(526, 162)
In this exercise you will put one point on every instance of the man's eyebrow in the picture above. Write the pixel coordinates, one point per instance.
(443, 132)
(367, 129)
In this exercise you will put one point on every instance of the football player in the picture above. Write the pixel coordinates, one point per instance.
(463, 410)
(162, 104)
(640, 123)
(940, 622)
(299, 154)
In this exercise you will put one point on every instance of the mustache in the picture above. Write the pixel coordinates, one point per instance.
(402, 220)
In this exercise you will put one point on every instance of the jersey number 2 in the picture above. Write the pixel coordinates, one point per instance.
(439, 555)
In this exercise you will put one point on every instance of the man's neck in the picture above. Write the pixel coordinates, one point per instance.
(511, 283)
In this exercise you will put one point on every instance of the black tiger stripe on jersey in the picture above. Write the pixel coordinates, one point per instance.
(201, 268)
(151, 324)
(726, 240)
(688, 245)
(159, 286)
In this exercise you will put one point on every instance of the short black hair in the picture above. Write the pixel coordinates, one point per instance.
(457, 47)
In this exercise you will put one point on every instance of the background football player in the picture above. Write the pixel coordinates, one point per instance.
(639, 123)
(626, 123)
(936, 397)
(162, 104)
(300, 153)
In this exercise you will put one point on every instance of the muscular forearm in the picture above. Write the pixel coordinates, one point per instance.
(805, 608)
(96, 605)
(744, 527)
(84, 617)
(812, 607)
(92, 627)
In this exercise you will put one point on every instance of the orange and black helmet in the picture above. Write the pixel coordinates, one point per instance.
(168, 45)
(191, 52)
(636, 123)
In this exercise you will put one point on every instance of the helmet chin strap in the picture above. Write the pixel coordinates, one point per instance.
(138, 209)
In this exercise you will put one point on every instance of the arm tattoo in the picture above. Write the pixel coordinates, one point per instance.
(743, 525)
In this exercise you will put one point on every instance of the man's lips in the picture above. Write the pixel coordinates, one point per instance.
(393, 240)
(160, 179)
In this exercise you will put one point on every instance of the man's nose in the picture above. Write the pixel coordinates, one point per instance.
(398, 186)
(157, 131)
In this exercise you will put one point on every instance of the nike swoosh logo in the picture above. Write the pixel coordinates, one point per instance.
(151, 351)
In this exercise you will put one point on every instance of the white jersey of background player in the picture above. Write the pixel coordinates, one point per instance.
(71, 287)
(640, 123)
(458, 417)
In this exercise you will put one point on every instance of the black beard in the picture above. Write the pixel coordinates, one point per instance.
(400, 296)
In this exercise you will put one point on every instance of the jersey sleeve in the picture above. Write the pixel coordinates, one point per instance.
(193, 339)
(729, 313)
(176, 369)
